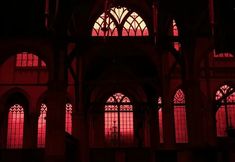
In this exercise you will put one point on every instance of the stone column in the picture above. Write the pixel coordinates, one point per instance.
(153, 123)
(199, 117)
(167, 106)
(81, 122)
(55, 120)
(55, 123)
(30, 137)
(197, 112)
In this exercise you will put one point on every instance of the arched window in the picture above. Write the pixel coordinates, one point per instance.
(160, 119)
(68, 118)
(42, 126)
(175, 34)
(225, 115)
(181, 132)
(120, 21)
(25, 59)
(42, 123)
(118, 119)
(15, 127)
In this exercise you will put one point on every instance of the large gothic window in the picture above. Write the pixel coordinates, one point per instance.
(30, 60)
(181, 132)
(118, 119)
(160, 119)
(225, 115)
(120, 21)
(42, 126)
(15, 127)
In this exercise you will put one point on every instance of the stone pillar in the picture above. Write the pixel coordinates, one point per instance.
(30, 133)
(199, 117)
(55, 123)
(55, 120)
(167, 106)
(153, 124)
(197, 112)
(81, 117)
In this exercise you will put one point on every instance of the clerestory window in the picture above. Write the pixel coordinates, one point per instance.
(29, 60)
(120, 21)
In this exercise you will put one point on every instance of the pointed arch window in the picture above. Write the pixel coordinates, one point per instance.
(68, 118)
(225, 115)
(181, 132)
(42, 123)
(26, 59)
(175, 34)
(118, 119)
(15, 127)
(160, 119)
(120, 21)
(42, 126)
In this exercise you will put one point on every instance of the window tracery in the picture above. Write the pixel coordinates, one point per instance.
(181, 132)
(15, 126)
(118, 120)
(130, 23)
(42, 126)
(225, 115)
(25, 59)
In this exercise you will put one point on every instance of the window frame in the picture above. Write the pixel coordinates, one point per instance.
(180, 104)
(223, 104)
(120, 141)
(120, 22)
(19, 65)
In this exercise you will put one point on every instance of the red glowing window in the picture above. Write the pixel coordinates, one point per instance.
(42, 123)
(42, 126)
(102, 28)
(181, 132)
(225, 115)
(26, 59)
(160, 120)
(15, 127)
(118, 120)
(175, 33)
(109, 23)
(134, 26)
(68, 118)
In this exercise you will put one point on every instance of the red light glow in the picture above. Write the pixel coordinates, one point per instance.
(181, 132)
(15, 127)
(118, 120)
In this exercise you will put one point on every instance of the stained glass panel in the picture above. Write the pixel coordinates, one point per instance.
(118, 120)
(42, 126)
(181, 132)
(15, 127)
(225, 115)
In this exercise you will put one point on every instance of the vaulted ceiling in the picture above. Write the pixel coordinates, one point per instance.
(27, 17)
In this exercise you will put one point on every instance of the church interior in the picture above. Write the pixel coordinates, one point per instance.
(117, 81)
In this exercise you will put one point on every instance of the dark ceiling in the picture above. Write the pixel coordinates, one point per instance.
(26, 17)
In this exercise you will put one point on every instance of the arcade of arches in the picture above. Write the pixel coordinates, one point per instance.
(115, 81)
